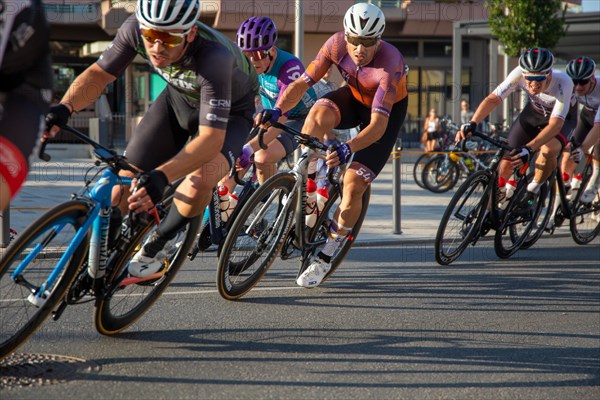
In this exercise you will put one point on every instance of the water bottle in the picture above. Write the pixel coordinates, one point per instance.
(223, 202)
(311, 203)
(502, 193)
(322, 197)
(233, 200)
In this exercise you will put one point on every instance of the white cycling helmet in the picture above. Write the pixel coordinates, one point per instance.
(168, 14)
(365, 20)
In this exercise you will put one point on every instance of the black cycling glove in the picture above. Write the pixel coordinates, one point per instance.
(523, 152)
(155, 183)
(468, 128)
(58, 115)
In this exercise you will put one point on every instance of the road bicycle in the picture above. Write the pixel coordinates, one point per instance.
(272, 222)
(473, 211)
(73, 254)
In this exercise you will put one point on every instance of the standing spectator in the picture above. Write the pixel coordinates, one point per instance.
(465, 113)
(432, 128)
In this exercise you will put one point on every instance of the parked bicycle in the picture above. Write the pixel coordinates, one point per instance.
(72, 254)
(272, 222)
(444, 143)
(473, 211)
(443, 171)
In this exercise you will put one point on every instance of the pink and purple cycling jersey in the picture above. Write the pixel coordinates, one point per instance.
(378, 85)
(554, 102)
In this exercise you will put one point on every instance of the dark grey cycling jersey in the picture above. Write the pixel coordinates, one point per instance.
(213, 75)
(24, 51)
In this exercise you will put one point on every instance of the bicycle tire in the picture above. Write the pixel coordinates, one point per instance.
(440, 174)
(19, 317)
(548, 197)
(462, 218)
(123, 304)
(418, 169)
(584, 223)
(246, 256)
(322, 228)
(508, 240)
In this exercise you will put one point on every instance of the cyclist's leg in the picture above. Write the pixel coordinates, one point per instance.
(584, 124)
(366, 165)
(21, 124)
(266, 160)
(157, 138)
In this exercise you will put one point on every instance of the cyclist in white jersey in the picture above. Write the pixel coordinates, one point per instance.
(587, 134)
(543, 125)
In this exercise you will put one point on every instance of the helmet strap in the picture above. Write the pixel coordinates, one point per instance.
(270, 63)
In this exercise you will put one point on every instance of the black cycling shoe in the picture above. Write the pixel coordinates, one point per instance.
(524, 207)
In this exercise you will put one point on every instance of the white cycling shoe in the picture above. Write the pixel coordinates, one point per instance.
(314, 274)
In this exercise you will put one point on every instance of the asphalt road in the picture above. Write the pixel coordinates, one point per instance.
(390, 324)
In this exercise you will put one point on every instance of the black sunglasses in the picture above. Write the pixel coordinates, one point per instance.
(581, 82)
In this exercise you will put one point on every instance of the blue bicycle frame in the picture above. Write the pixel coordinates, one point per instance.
(99, 198)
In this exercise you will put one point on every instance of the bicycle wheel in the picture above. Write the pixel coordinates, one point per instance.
(418, 169)
(127, 298)
(547, 198)
(320, 232)
(517, 222)
(463, 217)
(585, 220)
(252, 244)
(27, 265)
(440, 174)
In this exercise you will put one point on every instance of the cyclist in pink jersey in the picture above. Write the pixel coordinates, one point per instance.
(375, 100)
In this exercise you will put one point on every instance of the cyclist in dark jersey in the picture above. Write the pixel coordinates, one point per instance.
(375, 99)
(196, 127)
(25, 90)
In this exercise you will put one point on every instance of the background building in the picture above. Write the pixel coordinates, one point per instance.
(422, 30)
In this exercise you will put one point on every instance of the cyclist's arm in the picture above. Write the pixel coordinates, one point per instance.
(593, 137)
(195, 154)
(486, 107)
(372, 133)
(86, 88)
(292, 95)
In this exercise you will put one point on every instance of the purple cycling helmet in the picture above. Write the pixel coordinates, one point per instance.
(256, 33)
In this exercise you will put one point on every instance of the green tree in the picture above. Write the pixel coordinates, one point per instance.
(521, 24)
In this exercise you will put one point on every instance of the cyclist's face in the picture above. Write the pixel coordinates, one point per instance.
(361, 54)
(162, 56)
(582, 90)
(260, 59)
(535, 87)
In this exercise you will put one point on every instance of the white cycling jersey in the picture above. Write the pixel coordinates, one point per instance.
(554, 101)
(591, 101)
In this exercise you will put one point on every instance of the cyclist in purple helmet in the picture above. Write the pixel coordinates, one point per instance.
(276, 69)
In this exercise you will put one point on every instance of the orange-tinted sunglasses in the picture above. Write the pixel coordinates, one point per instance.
(167, 39)
(257, 54)
(357, 40)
